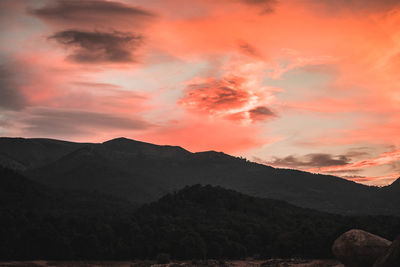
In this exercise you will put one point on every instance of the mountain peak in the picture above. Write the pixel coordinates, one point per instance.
(396, 183)
(213, 155)
(130, 145)
(120, 139)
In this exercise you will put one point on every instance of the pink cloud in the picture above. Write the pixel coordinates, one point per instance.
(238, 95)
(242, 48)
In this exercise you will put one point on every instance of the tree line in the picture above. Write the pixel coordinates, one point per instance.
(197, 222)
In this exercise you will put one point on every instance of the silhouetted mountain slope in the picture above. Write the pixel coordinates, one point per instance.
(21, 153)
(142, 172)
(37, 222)
(392, 193)
(205, 221)
(19, 192)
(93, 169)
(194, 223)
(394, 187)
(134, 147)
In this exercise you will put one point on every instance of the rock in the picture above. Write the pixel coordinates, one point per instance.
(392, 256)
(357, 248)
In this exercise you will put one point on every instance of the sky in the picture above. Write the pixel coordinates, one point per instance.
(303, 84)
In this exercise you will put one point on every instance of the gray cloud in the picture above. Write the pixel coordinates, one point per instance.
(97, 85)
(313, 160)
(319, 68)
(10, 96)
(395, 166)
(266, 6)
(249, 50)
(92, 12)
(57, 122)
(95, 47)
(337, 6)
(261, 113)
(358, 152)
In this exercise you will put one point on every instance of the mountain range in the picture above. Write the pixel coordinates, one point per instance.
(142, 172)
(196, 222)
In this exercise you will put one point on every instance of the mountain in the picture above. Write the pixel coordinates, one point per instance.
(124, 145)
(143, 172)
(392, 192)
(39, 222)
(206, 221)
(195, 222)
(394, 187)
(22, 154)
(19, 192)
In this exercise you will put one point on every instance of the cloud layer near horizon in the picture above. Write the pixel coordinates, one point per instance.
(311, 85)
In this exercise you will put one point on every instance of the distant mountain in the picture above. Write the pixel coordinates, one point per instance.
(143, 172)
(124, 145)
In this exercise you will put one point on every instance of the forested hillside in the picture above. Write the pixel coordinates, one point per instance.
(195, 222)
(143, 172)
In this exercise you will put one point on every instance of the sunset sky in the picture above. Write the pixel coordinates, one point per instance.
(304, 84)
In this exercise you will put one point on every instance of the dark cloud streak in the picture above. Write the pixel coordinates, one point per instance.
(249, 50)
(261, 113)
(58, 122)
(266, 6)
(93, 12)
(313, 160)
(94, 47)
(355, 6)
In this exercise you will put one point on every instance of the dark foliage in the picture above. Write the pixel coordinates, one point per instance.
(194, 223)
(163, 258)
(205, 221)
(37, 222)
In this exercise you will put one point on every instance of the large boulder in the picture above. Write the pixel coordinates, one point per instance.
(392, 256)
(357, 248)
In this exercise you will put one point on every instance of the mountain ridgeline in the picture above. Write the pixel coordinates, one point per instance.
(143, 172)
(196, 222)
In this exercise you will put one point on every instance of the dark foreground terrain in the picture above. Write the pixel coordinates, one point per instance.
(194, 223)
(209, 263)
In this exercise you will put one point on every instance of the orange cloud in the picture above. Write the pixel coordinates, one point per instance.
(212, 95)
(231, 66)
(238, 95)
(227, 98)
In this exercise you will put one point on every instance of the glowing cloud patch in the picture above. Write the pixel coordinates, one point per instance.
(227, 97)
